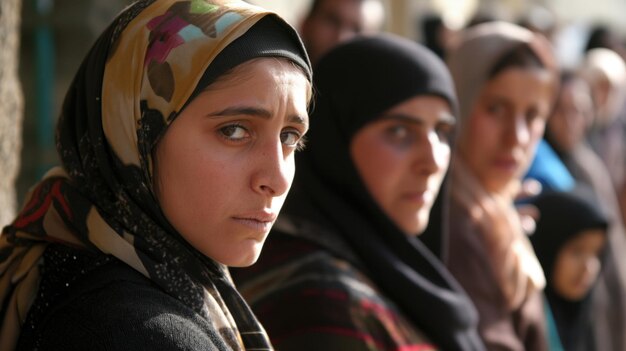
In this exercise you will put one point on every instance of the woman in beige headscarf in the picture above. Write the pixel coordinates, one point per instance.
(505, 78)
(605, 71)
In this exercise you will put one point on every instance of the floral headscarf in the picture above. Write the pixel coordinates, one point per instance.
(136, 79)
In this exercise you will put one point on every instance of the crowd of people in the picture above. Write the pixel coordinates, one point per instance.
(231, 182)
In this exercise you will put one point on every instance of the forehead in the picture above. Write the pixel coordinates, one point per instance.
(521, 83)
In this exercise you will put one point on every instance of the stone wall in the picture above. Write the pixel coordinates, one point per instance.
(11, 107)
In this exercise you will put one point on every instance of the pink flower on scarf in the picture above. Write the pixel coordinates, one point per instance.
(164, 36)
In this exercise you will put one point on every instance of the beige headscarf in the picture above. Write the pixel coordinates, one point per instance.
(605, 64)
(517, 269)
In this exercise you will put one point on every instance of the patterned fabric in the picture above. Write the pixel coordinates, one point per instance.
(338, 306)
(329, 191)
(136, 79)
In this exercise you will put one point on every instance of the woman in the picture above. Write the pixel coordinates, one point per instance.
(570, 241)
(506, 82)
(176, 159)
(605, 72)
(344, 268)
(566, 131)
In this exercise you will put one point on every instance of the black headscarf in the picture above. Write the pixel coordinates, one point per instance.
(563, 216)
(356, 83)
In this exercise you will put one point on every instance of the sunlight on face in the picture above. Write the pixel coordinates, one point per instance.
(577, 264)
(499, 138)
(402, 158)
(224, 166)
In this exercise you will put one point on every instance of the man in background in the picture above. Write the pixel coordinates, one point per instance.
(330, 22)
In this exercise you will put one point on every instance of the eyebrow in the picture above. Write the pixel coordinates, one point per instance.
(255, 112)
(446, 118)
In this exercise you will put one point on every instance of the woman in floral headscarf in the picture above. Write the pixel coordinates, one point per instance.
(177, 139)
(506, 81)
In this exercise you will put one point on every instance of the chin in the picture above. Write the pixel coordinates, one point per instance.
(245, 259)
(415, 228)
(242, 262)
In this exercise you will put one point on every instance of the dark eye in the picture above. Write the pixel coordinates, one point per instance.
(397, 132)
(445, 131)
(234, 132)
(292, 139)
(532, 114)
(496, 109)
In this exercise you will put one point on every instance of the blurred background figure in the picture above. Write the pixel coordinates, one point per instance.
(604, 36)
(330, 22)
(570, 241)
(437, 35)
(539, 19)
(605, 72)
(566, 132)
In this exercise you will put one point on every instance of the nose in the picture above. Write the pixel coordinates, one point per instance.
(433, 154)
(517, 132)
(592, 265)
(273, 172)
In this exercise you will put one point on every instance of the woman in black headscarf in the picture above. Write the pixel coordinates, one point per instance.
(569, 240)
(344, 268)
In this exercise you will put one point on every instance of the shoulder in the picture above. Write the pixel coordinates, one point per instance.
(123, 314)
(315, 301)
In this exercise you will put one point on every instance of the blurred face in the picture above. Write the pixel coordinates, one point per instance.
(573, 115)
(577, 265)
(224, 166)
(336, 21)
(402, 158)
(499, 138)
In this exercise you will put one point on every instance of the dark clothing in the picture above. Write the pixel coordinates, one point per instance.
(108, 306)
(563, 217)
(310, 297)
(608, 307)
(356, 240)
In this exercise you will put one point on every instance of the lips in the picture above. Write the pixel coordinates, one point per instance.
(508, 163)
(419, 196)
(258, 221)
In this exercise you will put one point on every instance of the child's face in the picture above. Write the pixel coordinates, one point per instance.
(577, 264)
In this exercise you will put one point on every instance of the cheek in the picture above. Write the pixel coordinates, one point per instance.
(478, 139)
(193, 183)
(379, 167)
(561, 275)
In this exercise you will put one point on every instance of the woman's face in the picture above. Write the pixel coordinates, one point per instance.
(577, 264)
(224, 166)
(573, 115)
(402, 158)
(499, 138)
